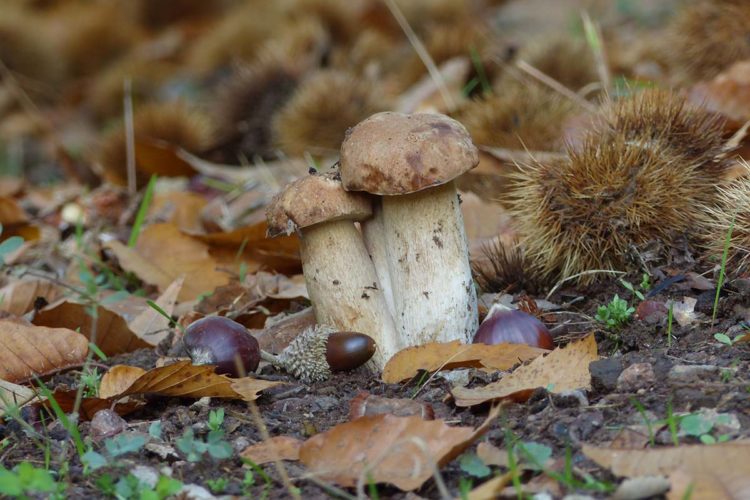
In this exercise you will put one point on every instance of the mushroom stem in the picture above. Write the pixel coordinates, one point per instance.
(373, 233)
(343, 286)
(428, 263)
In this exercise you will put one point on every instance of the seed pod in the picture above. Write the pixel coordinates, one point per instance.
(216, 340)
(514, 327)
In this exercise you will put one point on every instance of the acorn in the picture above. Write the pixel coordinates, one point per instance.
(708, 36)
(220, 341)
(511, 326)
(320, 350)
(644, 173)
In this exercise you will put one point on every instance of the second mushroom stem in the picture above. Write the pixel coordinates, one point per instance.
(343, 285)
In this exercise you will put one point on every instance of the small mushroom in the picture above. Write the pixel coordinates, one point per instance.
(340, 277)
(418, 231)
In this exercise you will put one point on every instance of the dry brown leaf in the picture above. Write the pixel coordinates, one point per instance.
(88, 407)
(716, 471)
(402, 451)
(113, 336)
(563, 369)
(489, 490)
(163, 254)
(11, 212)
(19, 297)
(450, 355)
(181, 208)
(183, 379)
(276, 448)
(29, 350)
(14, 395)
(161, 158)
(728, 93)
(152, 326)
(118, 379)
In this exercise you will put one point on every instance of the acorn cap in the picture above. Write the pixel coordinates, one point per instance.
(311, 200)
(394, 153)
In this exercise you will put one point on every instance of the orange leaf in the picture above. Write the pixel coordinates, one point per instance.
(160, 157)
(450, 355)
(276, 448)
(150, 325)
(163, 254)
(183, 379)
(118, 379)
(181, 208)
(113, 336)
(402, 451)
(29, 350)
(563, 369)
(19, 296)
(716, 471)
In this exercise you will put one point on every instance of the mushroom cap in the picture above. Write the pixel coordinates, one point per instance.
(314, 199)
(395, 153)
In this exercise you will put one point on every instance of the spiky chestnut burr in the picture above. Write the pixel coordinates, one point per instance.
(645, 172)
(517, 117)
(320, 350)
(323, 107)
(707, 36)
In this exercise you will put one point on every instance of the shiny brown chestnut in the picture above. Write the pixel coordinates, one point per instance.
(348, 350)
(514, 327)
(216, 340)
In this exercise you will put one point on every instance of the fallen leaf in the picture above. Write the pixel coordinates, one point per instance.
(183, 379)
(117, 380)
(151, 326)
(563, 369)
(728, 93)
(20, 296)
(163, 253)
(276, 448)
(181, 208)
(403, 451)
(14, 395)
(450, 355)
(29, 350)
(161, 158)
(113, 336)
(489, 490)
(87, 407)
(716, 471)
(11, 212)
(684, 312)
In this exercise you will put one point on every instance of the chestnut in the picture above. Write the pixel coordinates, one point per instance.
(514, 327)
(348, 350)
(216, 340)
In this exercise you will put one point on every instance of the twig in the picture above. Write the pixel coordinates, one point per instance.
(555, 85)
(129, 135)
(421, 51)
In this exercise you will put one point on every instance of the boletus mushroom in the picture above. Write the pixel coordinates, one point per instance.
(340, 277)
(416, 238)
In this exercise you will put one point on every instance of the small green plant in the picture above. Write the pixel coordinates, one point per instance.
(217, 485)
(130, 487)
(471, 464)
(632, 289)
(723, 269)
(90, 378)
(248, 482)
(615, 314)
(26, 480)
(142, 211)
(697, 425)
(649, 424)
(645, 282)
(9, 246)
(194, 448)
(216, 419)
(727, 340)
(115, 447)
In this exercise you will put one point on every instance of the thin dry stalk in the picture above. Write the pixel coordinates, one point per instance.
(129, 135)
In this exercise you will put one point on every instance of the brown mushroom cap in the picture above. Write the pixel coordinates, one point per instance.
(311, 200)
(394, 153)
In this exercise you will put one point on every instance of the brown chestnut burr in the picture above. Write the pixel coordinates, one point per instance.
(505, 325)
(216, 340)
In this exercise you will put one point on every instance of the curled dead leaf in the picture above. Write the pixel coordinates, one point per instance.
(276, 448)
(30, 350)
(403, 451)
(451, 355)
(563, 369)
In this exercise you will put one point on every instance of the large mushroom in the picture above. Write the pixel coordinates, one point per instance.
(340, 277)
(417, 237)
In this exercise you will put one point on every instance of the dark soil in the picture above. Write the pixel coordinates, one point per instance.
(608, 412)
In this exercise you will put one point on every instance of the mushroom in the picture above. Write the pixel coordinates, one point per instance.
(411, 161)
(340, 277)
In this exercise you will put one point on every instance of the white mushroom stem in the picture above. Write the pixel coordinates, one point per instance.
(343, 286)
(428, 262)
(373, 232)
